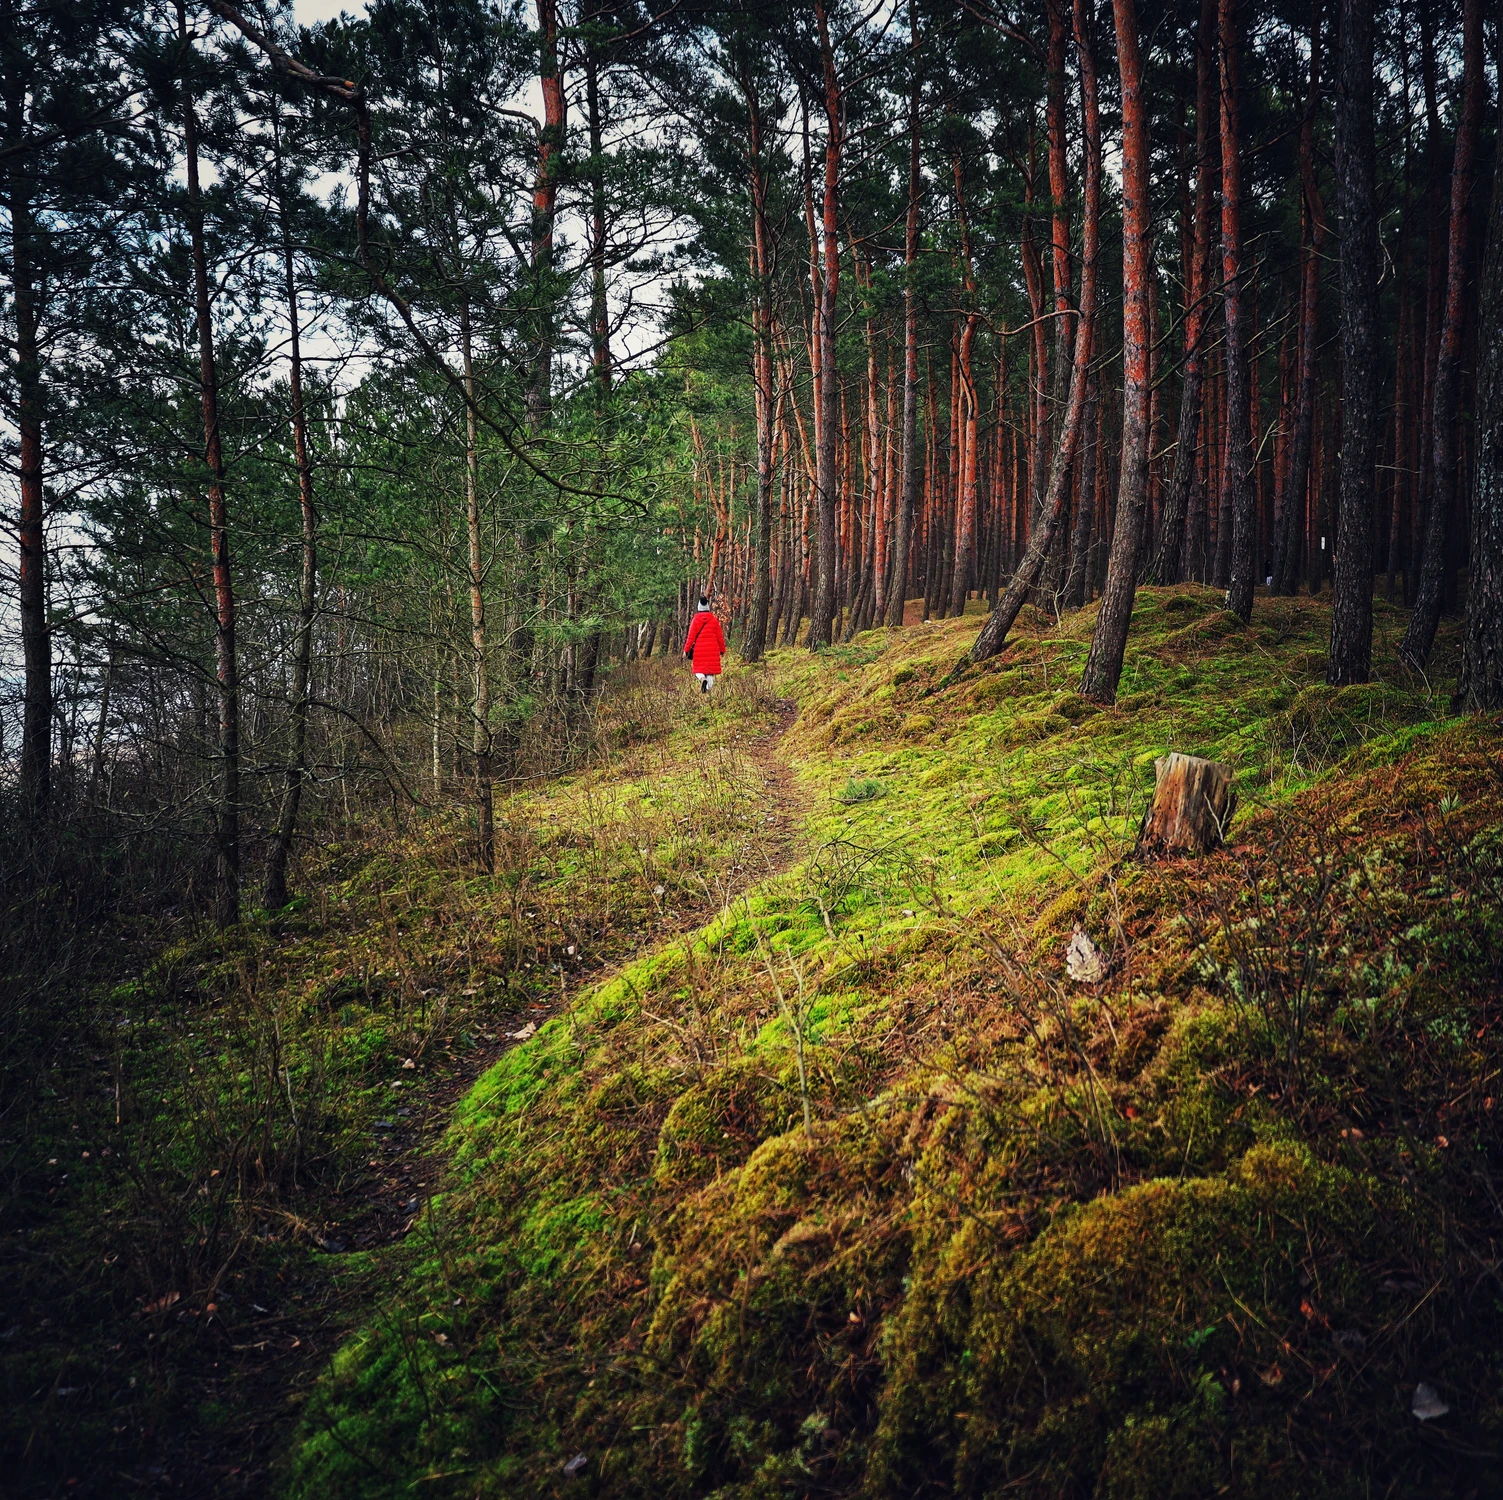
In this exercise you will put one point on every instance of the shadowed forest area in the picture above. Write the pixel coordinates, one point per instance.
(1028, 1028)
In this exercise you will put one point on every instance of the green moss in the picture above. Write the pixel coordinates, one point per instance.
(716, 1124)
(1038, 1238)
(1102, 1358)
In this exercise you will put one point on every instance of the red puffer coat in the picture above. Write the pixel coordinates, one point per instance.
(706, 644)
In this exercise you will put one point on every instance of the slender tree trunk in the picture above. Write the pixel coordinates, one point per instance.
(993, 634)
(1297, 485)
(1168, 562)
(816, 345)
(965, 393)
(1077, 580)
(1420, 636)
(897, 591)
(1435, 292)
(1480, 688)
(1038, 432)
(1403, 456)
(517, 629)
(865, 601)
(827, 476)
(544, 212)
(102, 723)
(755, 639)
(1103, 666)
(302, 661)
(1059, 194)
(227, 811)
(600, 319)
(1237, 497)
(882, 558)
(480, 727)
(1352, 613)
(36, 640)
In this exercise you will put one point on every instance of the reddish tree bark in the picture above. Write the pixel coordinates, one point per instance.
(965, 394)
(886, 519)
(1168, 561)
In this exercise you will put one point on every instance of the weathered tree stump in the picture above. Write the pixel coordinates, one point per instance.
(1192, 805)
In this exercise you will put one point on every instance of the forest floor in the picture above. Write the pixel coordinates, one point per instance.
(150, 1348)
(758, 1139)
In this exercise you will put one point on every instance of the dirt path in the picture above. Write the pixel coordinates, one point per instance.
(262, 1353)
(785, 820)
(451, 1075)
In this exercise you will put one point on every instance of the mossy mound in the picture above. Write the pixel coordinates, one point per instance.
(855, 1192)
(1111, 1357)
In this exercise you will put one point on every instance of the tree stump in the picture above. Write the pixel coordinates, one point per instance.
(1192, 805)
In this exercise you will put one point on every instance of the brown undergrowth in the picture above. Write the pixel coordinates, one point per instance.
(855, 1191)
(223, 1168)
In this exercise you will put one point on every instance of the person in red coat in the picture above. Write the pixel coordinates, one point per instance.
(706, 644)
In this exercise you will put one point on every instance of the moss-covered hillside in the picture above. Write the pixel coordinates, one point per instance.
(856, 1191)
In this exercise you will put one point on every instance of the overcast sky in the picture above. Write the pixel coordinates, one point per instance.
(310, 11)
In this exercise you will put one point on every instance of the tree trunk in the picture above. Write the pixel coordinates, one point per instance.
(297, 768)
(754, 642)
(897, 588)
(1435, 296)
(1297, 484)
(1237, 499)
(1168, 562)
(1403, 384)
(1352, 613)
(1480, 688)
(1420, 636)
(36, 640)
(1059, 191)
(600, 320)
(994, 633)
(102, 723)
(881, 559)
(1192, 805)
(1038, 431)
(823, 615)
(480, 726)
(544, 212)
(1103, 666)
(1077, 580)
(965, 393)
(227, 810)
